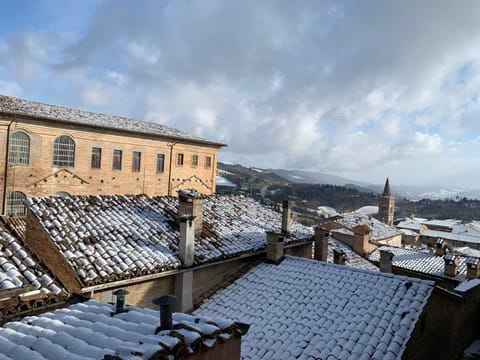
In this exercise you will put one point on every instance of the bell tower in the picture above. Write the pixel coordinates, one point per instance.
(386, 205)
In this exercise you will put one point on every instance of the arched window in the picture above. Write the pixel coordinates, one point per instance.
(19, 148)
(62, 194)
(16, 203)
(64, 151)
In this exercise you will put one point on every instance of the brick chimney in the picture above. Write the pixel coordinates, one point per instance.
(286, 217)
(440, 247)
(386, 261)
(275, 247)
(451, 264)
(190, 202)
(361, 239)
(339, 256)
(473, 267)
(320, 251)
(186, 246)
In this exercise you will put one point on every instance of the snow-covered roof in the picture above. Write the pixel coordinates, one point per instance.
(468, 285)
(352, 258)
(305, 308)
(408, 232)
(453, 236)
(449, 223)
(19, 268)
(379, 230)
(410, 224)
(111, 237)
(421, 262)
(17, 106)
(25, 284)
(88, 331)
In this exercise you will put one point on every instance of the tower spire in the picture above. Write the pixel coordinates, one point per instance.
(386, 189)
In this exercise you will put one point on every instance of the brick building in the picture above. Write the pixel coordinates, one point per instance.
(48, 150)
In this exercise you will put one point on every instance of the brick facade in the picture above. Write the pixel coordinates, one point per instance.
(41, 178)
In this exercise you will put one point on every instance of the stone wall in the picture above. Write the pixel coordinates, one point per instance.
(447, 326)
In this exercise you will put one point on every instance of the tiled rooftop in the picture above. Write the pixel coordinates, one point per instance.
(421, 262)
(88, 331)
(17, 106)
(24, 283)
(410, 224)
(352, 258)
(107, 238)
(306, 309)
(467, 237)
(379, 230)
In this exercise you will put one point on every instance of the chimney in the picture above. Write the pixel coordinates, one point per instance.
(451, 264)
(386, 261)
(473, 267)
(286, 217)
(165, 302)
(361, 239)
(339, 256)
(321, 243)
(275, 247)
(120, 301)
(186, 246)
(190, 202)
(440, 247)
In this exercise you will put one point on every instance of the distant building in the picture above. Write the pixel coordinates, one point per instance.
(362, 233)
(386, 205)
(52, 150)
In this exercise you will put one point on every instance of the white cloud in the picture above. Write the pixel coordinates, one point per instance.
(337, 86)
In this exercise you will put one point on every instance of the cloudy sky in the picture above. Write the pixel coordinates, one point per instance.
(362, 89)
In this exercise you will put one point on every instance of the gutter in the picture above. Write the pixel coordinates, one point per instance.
(162, 274)
(169, 192)
(5, 172)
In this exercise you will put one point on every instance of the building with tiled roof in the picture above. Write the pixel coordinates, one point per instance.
(92, 330)
(25, 283)
(362, 233)
(305, 308)
(53, 150)
(426, 265)
(352, 259)
(98, 243)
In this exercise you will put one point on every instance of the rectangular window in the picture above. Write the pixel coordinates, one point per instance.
(96, 157)
(160, 162)
(136, 159)
(208, 161)
(194, 160)
(179, 159)
(117, 160)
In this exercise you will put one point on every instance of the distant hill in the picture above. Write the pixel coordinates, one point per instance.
(283, 176)
(308, 177)
(312, 196)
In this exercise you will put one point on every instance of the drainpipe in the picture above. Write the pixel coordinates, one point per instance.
(5, 173)
(170, 168)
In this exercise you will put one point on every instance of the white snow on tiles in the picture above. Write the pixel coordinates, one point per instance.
(352, 258)
(379, 230)
(106, 238)
(422, 262)
(18, 267)
(14, 105)
(304, 308)
(88, 331)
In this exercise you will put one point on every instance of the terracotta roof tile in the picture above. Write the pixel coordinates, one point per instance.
(112, 237)
(89, 331)
(333, 326)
